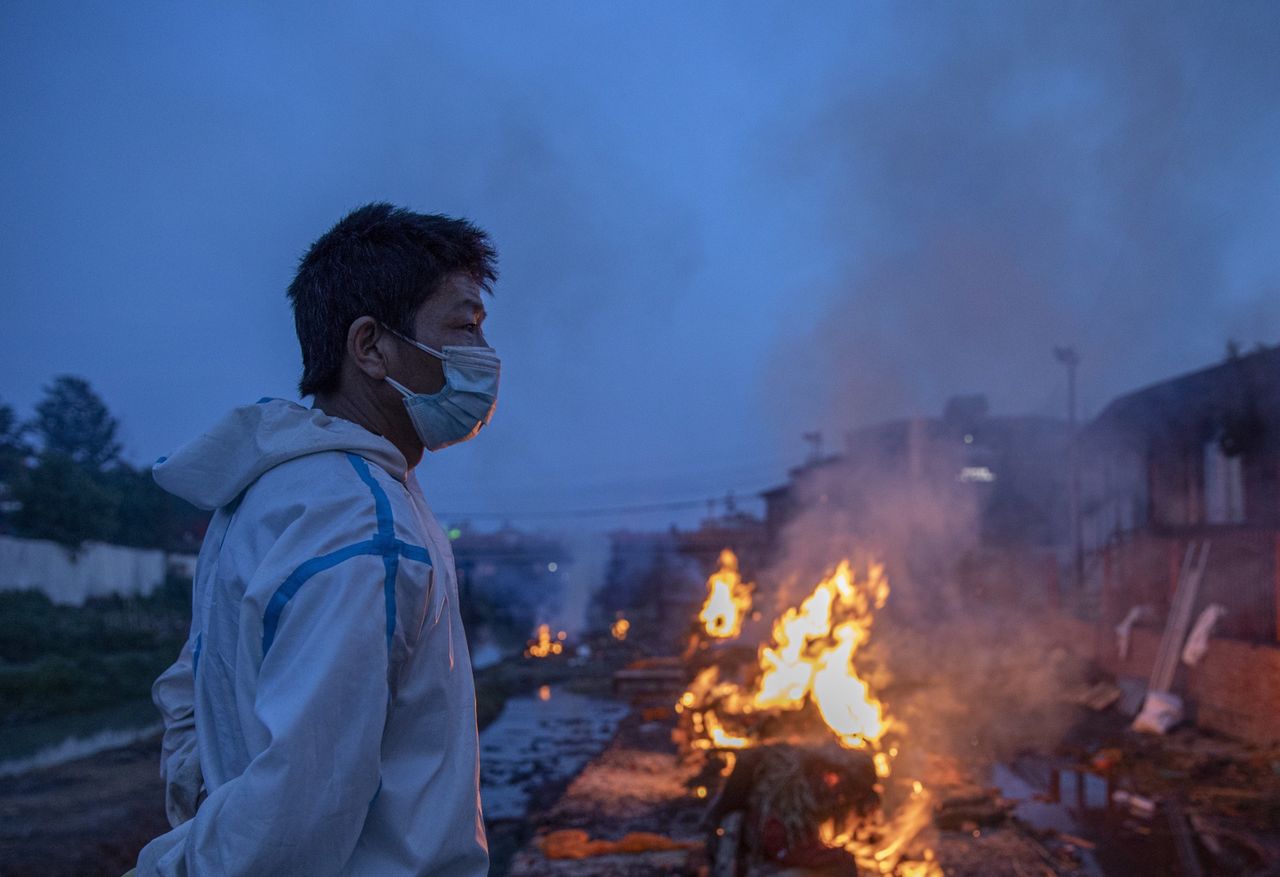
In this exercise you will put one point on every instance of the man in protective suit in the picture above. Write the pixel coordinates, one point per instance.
(321, 717)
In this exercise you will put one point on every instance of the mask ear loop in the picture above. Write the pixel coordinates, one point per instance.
(404, 391)
(418, 344)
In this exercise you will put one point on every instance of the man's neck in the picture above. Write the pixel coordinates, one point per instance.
(368, 414)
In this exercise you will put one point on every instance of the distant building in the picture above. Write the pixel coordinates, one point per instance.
(969, 504)
(1201, 449)
(657, 580)
(507, 578)
(1193, 457)
(1006, 474)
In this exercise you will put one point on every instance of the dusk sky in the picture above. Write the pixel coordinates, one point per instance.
(720, 225)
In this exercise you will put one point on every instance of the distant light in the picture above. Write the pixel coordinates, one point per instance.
(552, 566)
(977, 473)
(454, 533)
(968, 439)
(620, 628)
(544, 693)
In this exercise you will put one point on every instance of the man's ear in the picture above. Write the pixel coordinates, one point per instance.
(365, 342)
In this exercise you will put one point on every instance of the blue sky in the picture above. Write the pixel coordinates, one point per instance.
(720, 225)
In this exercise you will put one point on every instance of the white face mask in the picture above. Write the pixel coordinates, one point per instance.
(463, 405)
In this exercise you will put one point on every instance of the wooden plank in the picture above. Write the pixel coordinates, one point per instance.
(1175, 604)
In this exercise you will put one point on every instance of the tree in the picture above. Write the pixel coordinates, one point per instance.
(14, 449)
(14, 452)
(64, 502)
(73, 422)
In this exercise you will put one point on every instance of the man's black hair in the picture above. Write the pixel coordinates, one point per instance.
(383, 262)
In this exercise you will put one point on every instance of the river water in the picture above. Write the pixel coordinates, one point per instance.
(57, 741)
(540, 740)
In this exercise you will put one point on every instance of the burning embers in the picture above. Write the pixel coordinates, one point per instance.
(543, 645)
(728, 599)
(798, 706)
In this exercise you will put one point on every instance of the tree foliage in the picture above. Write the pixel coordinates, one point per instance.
(77, 488)
(73, 421)
(64, 502)
(14, 451)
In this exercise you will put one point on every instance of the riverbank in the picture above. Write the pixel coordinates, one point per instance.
(86, 817)
(89, 816)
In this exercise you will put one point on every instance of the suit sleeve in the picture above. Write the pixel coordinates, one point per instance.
(300, 805)
(174, 695)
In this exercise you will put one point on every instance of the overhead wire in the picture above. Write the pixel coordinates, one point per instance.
(603, 511)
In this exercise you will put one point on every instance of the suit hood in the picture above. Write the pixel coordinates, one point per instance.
(216, 467)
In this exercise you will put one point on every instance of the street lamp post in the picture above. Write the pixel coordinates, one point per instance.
(1068, 357)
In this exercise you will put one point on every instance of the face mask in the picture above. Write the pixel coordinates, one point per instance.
(463, 405)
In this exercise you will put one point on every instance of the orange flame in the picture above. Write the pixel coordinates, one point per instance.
(543, 645)
(728, 599)
(811, 659)
(620, 628)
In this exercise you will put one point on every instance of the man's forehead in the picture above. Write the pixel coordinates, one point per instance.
(456, 293)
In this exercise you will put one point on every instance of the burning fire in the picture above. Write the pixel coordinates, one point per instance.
(620, 628)
(543, 645)
(813, 658)
(810, 660)
(728, 599)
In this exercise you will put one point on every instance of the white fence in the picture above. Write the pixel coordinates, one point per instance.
(96, 570)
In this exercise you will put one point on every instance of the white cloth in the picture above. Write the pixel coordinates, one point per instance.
(321, 719)
(1198, 641)
(1160, 712)
(1124, 630)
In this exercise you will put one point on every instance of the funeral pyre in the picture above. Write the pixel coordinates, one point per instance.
(543, 644)
(806, 747)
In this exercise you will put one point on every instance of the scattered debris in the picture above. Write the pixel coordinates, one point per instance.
(1183, 843)
(1099, 696)
(971, 810)
(1163, 710)
(1137, 804)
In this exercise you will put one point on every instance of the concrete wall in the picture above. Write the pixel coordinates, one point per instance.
(96, 570)
(1235, 690)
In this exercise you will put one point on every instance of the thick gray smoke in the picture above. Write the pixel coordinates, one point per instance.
(1027, 175)
(968, 674)
(1019, 176)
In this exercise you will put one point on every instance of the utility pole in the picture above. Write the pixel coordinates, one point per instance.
(814, 441)
(1068, 357)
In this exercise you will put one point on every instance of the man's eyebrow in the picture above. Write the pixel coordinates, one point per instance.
(471, 308)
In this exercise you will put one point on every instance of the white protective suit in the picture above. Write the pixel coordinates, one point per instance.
(321, 718)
